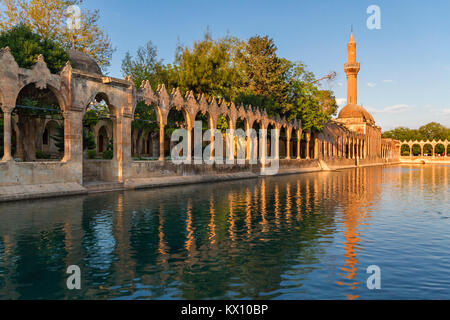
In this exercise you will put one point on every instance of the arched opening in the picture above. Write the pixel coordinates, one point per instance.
(176, 119)
(405, 150)
(416, 150)
(439, 150)
(102, 140)
(347, 149)
(98, 129)
(255, 152)
(38, 115)
(294, 144)
(448, 150)
(53, 139)
(270, 147)
(241, 140)
(223, 124)
(283, 142)
(205, 122)
(427, 150)
(144, 133)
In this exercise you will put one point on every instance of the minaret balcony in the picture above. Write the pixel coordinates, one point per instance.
(351, 67)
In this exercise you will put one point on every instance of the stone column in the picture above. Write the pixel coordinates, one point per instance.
(288, 143)
(122, 146)
(7, 130)
(262, 144)
(308, 138)
(189, 143)
(213, 131)
(299, 138)
(231, 144)
(353, 149)
(316, 148)
(161, 141)
(73, 135)
(410, 151)
(276, 154)
(357, 149)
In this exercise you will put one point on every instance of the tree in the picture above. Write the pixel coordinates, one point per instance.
(145, 66)
(62, 21)
(208, 67)
(263, 72)
(434, 131)
(430, 131)
(26, 46)
(306, 102)
(247, 72)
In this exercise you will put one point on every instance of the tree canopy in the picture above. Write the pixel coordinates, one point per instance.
(26, 46)
(430, 131)
(62, 21)
(248, 72)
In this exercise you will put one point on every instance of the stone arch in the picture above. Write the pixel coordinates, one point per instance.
(60, 97)
(440, 149)
(145, 129)
(207, 123)
(283, 141)
(177, 117)
(428, 148)
(100, 96)
(99, 112)
(34, 106)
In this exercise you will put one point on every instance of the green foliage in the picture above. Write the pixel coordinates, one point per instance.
(42, 155)
(91, 154)
(430, 131)
(248, 72)
(209, 67)
(51, 20)
(109, 153)
(145, 117)
(26, 46)
(145, 66)
(88, 140)
(263, 73)
(59, 138)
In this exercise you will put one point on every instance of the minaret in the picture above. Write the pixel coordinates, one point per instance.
(351, 69)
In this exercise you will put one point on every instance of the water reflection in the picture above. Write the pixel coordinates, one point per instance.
(290, 237)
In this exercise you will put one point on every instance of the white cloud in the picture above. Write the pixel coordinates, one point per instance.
(341, 101)
(388, 81)
(340, 84)
(398, 108)
(371, 84)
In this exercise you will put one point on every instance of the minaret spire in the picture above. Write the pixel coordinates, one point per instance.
(351, 69)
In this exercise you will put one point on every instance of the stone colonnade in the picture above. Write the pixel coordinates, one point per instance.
(422, 144)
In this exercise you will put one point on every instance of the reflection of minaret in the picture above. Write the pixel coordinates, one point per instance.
(212, 223)
(248, 211)
(351, 69)
(356, 212)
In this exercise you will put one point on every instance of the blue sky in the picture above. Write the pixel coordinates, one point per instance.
(405, 66)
